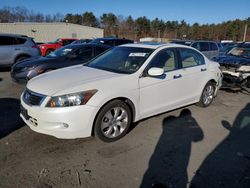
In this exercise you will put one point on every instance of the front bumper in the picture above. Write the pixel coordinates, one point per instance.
(68, 122)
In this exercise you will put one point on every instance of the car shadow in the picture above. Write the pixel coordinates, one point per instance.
(9, 116)
(168, 164)
(228, 165)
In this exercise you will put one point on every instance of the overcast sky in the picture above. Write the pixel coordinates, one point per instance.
(201, 11)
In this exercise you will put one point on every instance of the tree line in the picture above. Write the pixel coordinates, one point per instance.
(128, 27)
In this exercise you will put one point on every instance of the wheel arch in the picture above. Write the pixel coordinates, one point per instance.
(21, 55)
(123, 99)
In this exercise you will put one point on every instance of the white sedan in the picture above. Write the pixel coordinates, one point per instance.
(122, 86)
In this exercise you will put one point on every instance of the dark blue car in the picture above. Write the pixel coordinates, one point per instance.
(235, 67)
(67, 56)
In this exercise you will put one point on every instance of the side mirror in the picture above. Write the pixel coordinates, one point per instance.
(154, 72)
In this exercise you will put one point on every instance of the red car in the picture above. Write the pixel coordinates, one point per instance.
(52, 46)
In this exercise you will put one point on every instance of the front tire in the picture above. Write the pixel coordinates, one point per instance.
(113, 121)
(207, 95)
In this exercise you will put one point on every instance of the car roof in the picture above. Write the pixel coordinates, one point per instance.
(110, 38)
(89, 44)
(13, 35)
(153, 45)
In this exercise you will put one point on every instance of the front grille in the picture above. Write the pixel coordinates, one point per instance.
(32, 98)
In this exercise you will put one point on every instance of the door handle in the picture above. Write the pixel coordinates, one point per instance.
(17, 48)
(177, 76)
(203, 69)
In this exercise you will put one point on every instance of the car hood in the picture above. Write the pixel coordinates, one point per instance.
(232, 60)
(35, 61)
(66, 80)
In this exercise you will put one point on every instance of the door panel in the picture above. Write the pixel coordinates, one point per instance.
(160, 94)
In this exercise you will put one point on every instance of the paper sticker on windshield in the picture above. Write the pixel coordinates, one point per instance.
(137, 54)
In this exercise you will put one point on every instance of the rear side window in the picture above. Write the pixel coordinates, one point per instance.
(213, 46)
(190, 58)
(109, 42)
(84, 53)
(165, 59)
(66, 42)
(19, 41)
(5, 40)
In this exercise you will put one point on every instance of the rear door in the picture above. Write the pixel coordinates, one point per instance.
(7, 50)
(214, 50)
(194, 73)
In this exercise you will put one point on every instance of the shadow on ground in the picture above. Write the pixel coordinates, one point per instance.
(9, 116)
(168, 164)
(228, 165)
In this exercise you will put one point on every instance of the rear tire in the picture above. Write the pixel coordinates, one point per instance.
(207, 95)
(21, 58)
(48, 52)
(113, 121)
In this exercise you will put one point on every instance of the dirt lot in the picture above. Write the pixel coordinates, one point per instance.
(201, 147)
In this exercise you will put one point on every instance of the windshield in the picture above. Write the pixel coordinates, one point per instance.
(241, 52)
(62, 52)
(125, 60)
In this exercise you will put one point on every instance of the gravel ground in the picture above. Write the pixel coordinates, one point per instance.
(189, 147)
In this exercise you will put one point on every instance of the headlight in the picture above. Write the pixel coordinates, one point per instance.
(42, 47)
(73, 99)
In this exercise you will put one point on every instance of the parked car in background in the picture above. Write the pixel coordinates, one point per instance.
(124, 85)
(52, 46)
(81, 41)
(235, 67)
(14, 48)
(183, 42)
(67, 56)
(111, 41)
(209, 48)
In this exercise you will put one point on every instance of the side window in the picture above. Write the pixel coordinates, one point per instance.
(5, 40)
(196, 45)
(165, 59)
(19, 41)
(109, 42)
(190, 58)
(213, 46)
(99, 50)
(204, 46)
(84, 53)
(66, 42)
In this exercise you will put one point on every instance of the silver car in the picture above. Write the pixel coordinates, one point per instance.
(209, 48)
(14, 48)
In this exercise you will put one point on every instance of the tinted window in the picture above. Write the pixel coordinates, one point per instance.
(190, 58)
(84, 53)
(19, 41)
(164, 59)
(204, 46)
(4, 40)
(66, 42)
(109, 42)
(99, 50)
(196, 45)
(213, 46)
